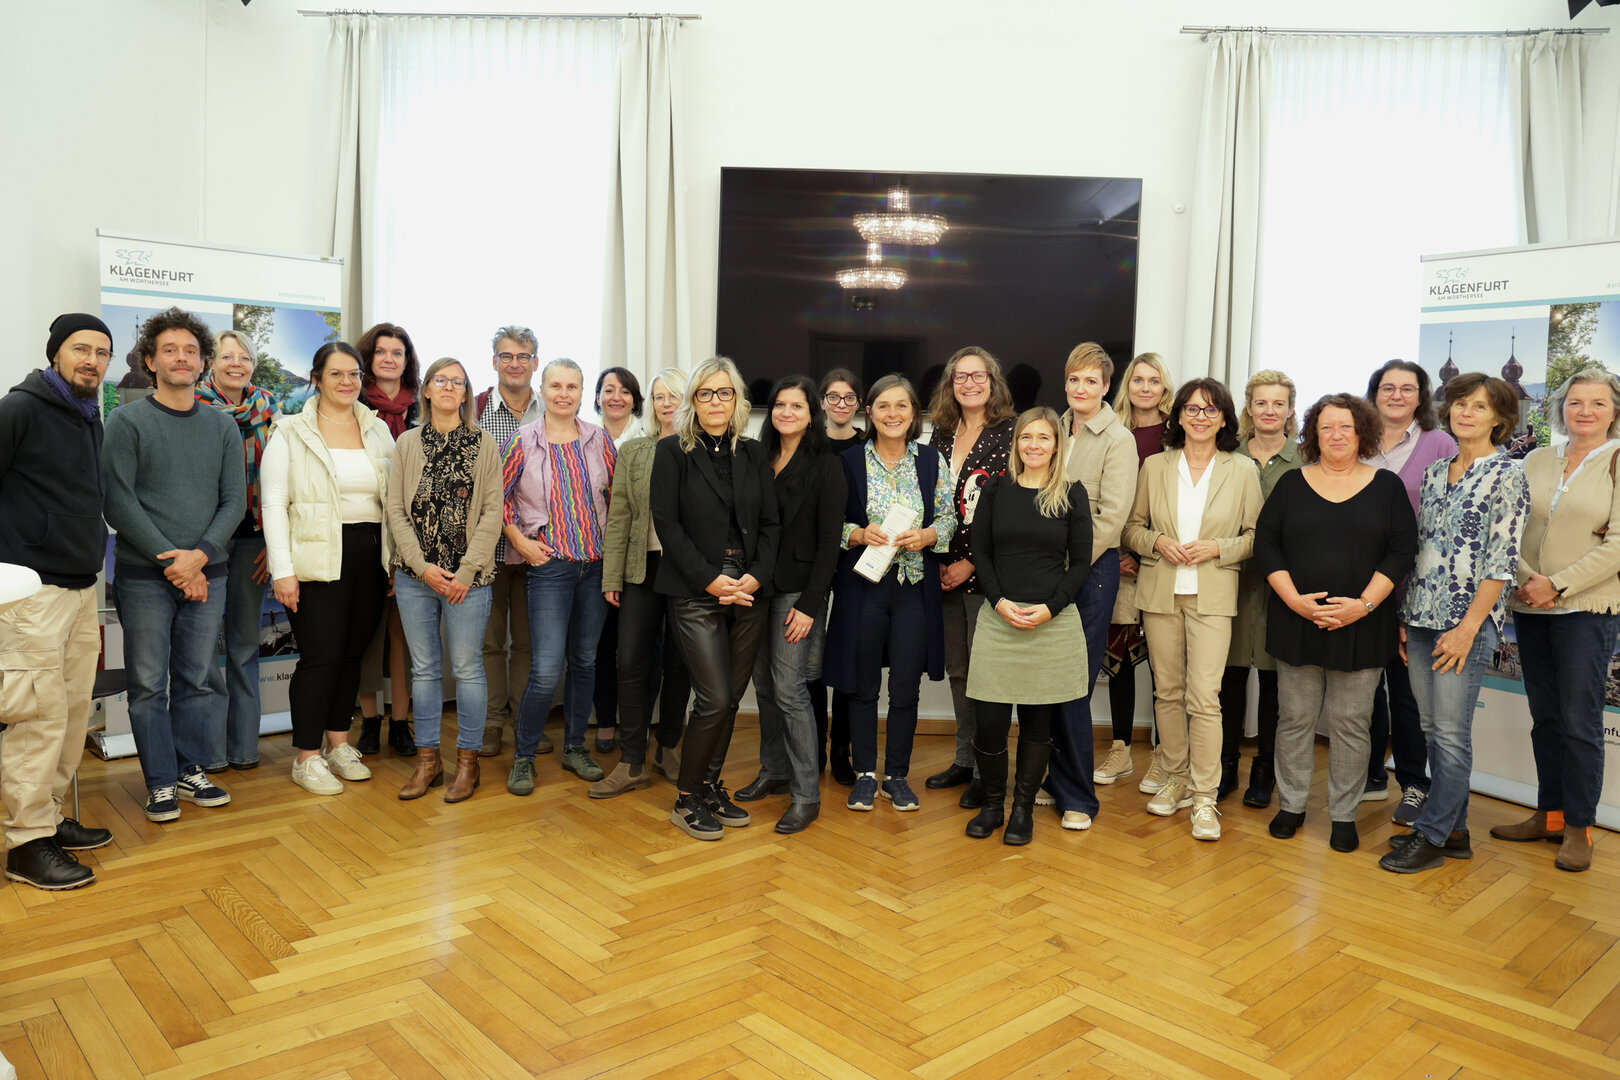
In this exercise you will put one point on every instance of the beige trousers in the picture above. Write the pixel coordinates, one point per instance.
(1188, 654)
(506, 674)
(48, 649)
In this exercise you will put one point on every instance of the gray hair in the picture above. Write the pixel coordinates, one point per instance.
(1597, 373)
(520, 334)
(564, 362)
(673, 378)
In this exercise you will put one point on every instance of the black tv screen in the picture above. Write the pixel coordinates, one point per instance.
(1026, 266)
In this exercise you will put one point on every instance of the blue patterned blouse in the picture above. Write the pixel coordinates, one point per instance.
(886, 486)
(1468, 533)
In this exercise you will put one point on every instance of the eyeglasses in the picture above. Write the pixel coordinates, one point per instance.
(841, 399)
(978, 378)
(1391, 390)
(706, 395)
(443, 381)
(344, 376)
(1211, 411)
(84, 352)
(524, 358)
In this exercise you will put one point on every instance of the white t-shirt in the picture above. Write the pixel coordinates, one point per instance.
(357, 486)
(1190, 501)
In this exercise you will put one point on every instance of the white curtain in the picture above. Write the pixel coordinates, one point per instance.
(1547, 85)
(646, 314)
(1227, 197)
(354, 59)
(484, 183)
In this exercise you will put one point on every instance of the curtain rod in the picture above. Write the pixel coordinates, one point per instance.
(1205, 31)
(316, 13)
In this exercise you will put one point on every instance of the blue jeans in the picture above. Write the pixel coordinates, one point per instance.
(566, 613)
(783, 671)
(1566, 676)
(236, 741)
(1074, 753)
(168, 657)
(1446, 706)
(421, 610)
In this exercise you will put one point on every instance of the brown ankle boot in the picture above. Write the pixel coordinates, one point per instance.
(1576, 854)
(1533, 827)
(429, 773)
(466, 779)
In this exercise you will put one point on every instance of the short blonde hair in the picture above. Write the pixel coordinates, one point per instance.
(1052, 497)
(686, 421)
(240, 338)
(1089, 354)
(1167, 395)
(466, 409)
(1556, 400)
(1269, 377)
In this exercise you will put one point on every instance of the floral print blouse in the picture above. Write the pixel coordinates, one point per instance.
(886, 486)
(439, 506)
(1468, 533)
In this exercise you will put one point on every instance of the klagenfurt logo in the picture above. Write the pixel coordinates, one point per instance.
(134, 264)
(1452, 281)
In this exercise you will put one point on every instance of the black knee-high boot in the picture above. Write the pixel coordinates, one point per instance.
(993, 783)
(1033, 757)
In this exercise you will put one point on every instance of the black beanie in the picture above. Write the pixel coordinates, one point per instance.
(66, 326)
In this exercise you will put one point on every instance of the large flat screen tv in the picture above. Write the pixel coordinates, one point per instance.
(1026, 267)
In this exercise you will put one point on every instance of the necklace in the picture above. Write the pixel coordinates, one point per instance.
(334, 420)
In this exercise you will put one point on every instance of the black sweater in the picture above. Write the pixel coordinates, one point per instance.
(810, 495)
(1023, 555)
(50, 486)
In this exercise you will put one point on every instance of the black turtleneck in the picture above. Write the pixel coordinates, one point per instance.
(718, 451)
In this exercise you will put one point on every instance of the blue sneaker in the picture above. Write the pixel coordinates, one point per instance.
(864, 793)
(195, 787)
(897, 791)
(161, 805)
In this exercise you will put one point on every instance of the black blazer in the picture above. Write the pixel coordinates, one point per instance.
(810, 496)
(692, 520)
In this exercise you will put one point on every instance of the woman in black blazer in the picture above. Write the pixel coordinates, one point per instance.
(714, 506)
(810, 493)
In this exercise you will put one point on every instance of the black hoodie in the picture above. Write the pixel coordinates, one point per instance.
(50, 486)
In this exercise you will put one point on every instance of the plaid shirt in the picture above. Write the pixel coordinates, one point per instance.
(502, 424)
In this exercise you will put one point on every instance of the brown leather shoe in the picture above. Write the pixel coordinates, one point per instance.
(623, 778)
(1576, 854)
(466, 779)
(429, 773)
(492, 740)
(1533, 827)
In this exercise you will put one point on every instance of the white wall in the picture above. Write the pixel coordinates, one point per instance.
(205, 120)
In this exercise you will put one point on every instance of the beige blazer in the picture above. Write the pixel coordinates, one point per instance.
(1564, 544)
(1229, 516)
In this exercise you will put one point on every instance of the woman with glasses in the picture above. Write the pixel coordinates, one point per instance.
(1193, 522)
(714, 506)
(651, 668)
(557, 473)
(841, 397)
(1408, 443)
(228, 386)
(325, 476)
(898, 617)
(444, 512)
(973, 416)
(618, 403)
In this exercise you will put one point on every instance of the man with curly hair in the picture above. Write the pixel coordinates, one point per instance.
(175, 492)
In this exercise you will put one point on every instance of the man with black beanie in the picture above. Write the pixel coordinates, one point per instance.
(50, 486)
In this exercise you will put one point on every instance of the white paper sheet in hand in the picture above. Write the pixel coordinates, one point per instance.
(874, 561)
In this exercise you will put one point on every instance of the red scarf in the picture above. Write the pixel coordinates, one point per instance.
(393, 410)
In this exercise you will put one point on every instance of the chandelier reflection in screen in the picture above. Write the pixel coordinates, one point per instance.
(898, 225)
(874, 275)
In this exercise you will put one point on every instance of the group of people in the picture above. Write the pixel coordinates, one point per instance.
(660, 561)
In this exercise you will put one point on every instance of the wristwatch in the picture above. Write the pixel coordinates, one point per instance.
(1369, 603)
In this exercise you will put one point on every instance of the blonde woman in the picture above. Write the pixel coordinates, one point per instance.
(1034, 550)
(650, 664)
(1268, 432)
(1143, 406)
(714, 506)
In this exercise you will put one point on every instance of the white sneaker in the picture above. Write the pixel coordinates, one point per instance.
(1156, 774)
(1076, 821)
(344, 761)
(313, 776)
(1172, 796)
(1116, 766)
(1042, 798)
(1206, 820)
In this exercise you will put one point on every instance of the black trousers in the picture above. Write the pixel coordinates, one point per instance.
(719, 643)
(651, 669)
(994, 720)
(606, 697)
(334, 625)
(832, 725)
(1234, 710)
(1396, 726)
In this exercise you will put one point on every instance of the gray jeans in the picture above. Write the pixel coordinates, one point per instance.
(1344, 700)
(961, 611)
(783, 671)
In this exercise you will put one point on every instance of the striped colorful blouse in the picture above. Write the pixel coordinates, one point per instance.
(574, 532)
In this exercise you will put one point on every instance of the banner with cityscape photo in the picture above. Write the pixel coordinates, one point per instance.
(1532, 316)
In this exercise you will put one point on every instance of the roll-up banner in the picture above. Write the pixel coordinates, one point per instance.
(287, 306)
(1530, 315)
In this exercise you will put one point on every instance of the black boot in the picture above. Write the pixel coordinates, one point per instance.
(973, 796)
(1229, 776)
(400, 738)
(370, 735)
(43, 864)
(1261, 780)
(1033, 757)
(992, 784)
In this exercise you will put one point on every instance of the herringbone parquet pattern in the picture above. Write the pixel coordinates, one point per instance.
(288, 936)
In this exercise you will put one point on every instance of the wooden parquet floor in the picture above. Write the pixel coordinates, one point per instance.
(289, 936)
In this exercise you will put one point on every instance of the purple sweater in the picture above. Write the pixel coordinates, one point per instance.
(1431, 447)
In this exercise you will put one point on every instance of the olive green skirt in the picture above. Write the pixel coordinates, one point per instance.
(1043, 666)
